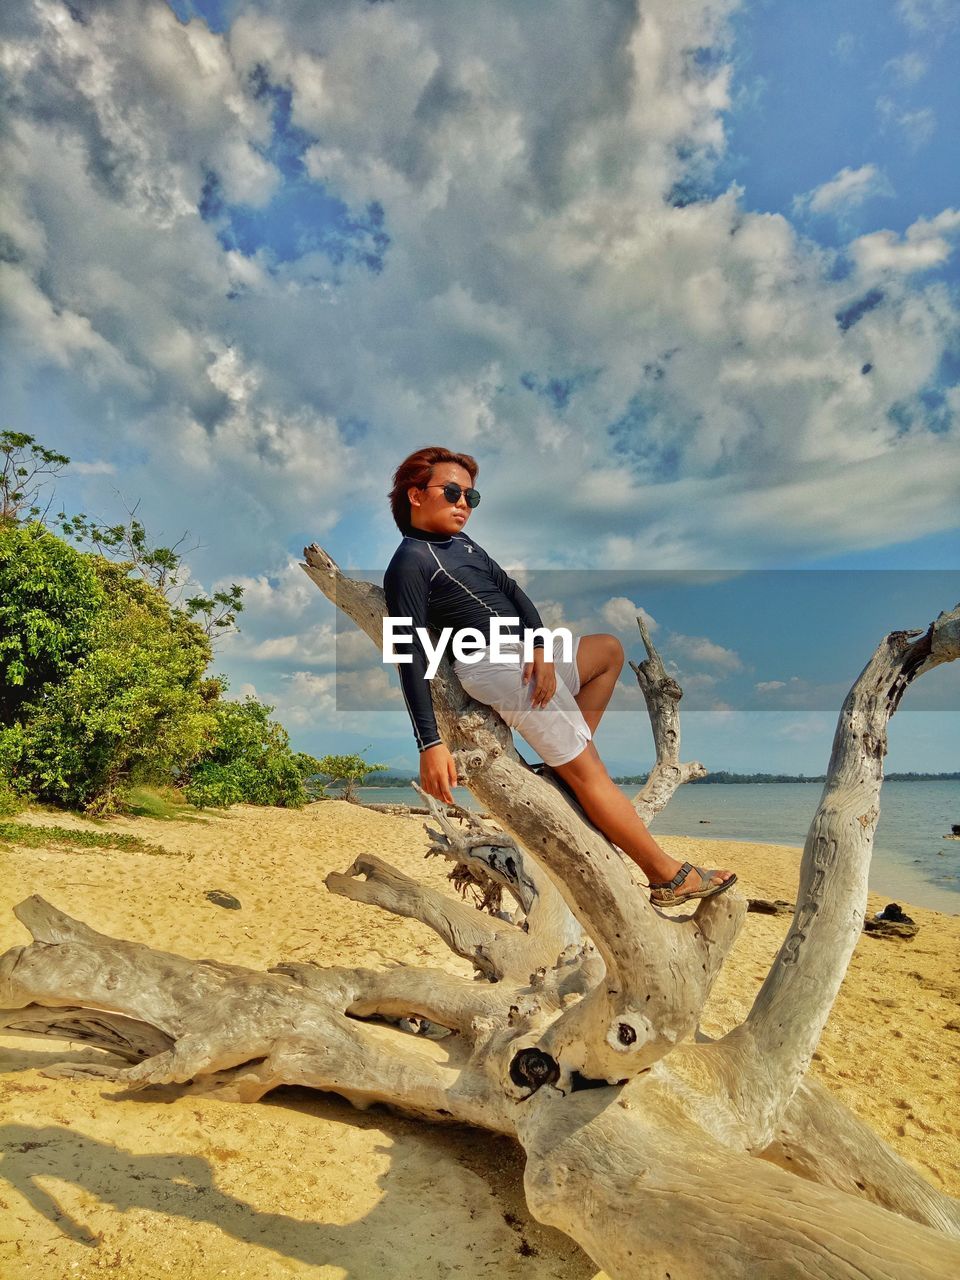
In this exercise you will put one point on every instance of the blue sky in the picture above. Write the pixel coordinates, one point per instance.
(684, 281)
(829, 86)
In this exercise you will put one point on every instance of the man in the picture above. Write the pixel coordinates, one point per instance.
(439, 577)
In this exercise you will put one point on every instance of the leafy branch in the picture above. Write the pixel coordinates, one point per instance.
(162, 567)
(26, 467)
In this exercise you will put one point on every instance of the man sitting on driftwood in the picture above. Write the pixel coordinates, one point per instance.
(440, 578)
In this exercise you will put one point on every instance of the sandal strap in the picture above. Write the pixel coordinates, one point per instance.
(678, 879)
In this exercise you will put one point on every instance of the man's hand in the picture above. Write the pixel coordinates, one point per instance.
(544, 675)
(438, 773)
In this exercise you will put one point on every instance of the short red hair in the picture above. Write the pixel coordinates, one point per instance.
(416, 471)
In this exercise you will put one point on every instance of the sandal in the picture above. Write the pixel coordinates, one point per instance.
(665, 895)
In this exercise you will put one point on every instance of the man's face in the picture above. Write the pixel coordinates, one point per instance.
(431, 510)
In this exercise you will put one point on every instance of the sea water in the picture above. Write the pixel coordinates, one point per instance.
(912, 859)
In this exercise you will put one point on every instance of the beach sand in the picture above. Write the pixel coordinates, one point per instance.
(166, 1183)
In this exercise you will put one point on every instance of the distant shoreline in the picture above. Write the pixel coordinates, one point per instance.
(721, 776)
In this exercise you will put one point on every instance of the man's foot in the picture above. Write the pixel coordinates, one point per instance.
(690, 882)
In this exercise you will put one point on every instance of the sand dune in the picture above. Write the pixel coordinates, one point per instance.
(166, 1183)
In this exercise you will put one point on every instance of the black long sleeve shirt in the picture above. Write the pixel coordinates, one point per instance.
(446, 580)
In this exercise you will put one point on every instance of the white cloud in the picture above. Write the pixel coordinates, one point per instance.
(99, 467)
(926, 243)
(622, 614)
(848, 190)
(701, 649)
(917, 125)
(305, 698)
(768, 686)
(264, 403)
(909, 68)
(553, 615)
(805, 727)
(936, 16)
(698, 687)
(285, 594)
(699, 680)
(58, 336)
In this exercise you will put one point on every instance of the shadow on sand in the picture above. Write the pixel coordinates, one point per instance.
(406, 1234)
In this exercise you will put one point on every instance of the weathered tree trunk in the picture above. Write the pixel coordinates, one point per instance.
(662, 695)
(674, 1160)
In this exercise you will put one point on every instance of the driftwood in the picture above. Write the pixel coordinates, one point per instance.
(764, 907)
(662, 695)
(660, 1151)
(890, 929)
(877, 926)
(398, 810)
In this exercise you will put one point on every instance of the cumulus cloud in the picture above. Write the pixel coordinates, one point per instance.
(622, 614)
(927, 243)
(304, 698)
(650, 373)
(701, 649)
(283, 596)
(848, 190)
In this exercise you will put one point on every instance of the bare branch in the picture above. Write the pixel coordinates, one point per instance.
(497, 948)
(662, 695)
(792, 1006)
(821, 1139)
(631, 1176)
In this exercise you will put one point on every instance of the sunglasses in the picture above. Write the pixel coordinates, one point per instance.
(452, 493)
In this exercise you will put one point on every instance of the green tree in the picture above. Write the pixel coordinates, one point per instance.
(50, 597)
(350, 771)
(133, 709)
(248, 760)
(102, 664)
(162, 567)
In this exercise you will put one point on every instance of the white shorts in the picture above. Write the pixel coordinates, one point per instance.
(557, 731)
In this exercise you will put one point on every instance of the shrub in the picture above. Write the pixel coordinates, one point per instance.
(101, 672)
(10, 802)
(50, 596)
(129, 710)
(248, 761)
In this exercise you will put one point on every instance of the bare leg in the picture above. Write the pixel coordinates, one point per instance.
(599, 663)
(612, 813)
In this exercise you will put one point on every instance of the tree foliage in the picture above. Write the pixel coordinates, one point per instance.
(25, 466)
(131, 708)
(351, 771)
(102, 683)
(248, 759)
(50, 596)
(102, 664)
(163, 567)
